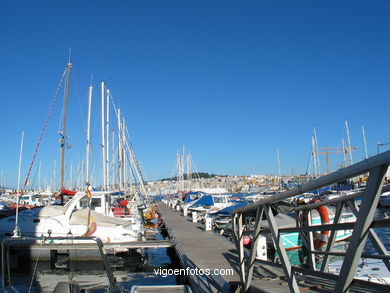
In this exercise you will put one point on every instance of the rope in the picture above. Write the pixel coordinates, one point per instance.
(44, 128)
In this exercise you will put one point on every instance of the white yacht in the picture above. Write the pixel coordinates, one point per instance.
(66, 221)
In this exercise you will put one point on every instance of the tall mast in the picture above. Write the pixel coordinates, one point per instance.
(103, 141)
(16, 230)
(365, 143)
(313, 146)
(108, 138)
(63, 132)
(88, 135)
(349, 142)
(119, 150)
(189, 171)
(277, 156)
(345, 153)
(182, 166)
(123, 150)
(113, 157)
(317, 152)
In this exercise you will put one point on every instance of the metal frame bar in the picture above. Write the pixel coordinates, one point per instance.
(252, 258)
(238, 240)
(362, 225)
(332, 236)
(376, 242)
(292, 282)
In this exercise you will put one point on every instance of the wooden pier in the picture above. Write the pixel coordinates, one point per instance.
(203, 250)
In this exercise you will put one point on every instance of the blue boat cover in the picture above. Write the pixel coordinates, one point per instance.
(206, 200)
(191, 196)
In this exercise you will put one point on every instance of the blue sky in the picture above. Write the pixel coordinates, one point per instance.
(232, 80)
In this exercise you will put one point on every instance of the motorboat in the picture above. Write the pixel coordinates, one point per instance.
(211, 203)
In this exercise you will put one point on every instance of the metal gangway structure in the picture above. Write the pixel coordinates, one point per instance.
(362, 229)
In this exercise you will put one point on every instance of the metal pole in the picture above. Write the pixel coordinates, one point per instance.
(103, 139)
(292, 283)
(365, 143)
(16, 230)
(241, 248)
(88, 135)
(119, 150)
(317, 151)
(256, 234)
(108, 139)
(313, 146)
(63, 132)
(349, 142)
(345, 153)
(277, 156)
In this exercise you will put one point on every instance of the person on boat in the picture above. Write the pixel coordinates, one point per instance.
(123, 203)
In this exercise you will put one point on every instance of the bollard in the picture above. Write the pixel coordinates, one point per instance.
(185, 211)
(194, 217)
(261, 250)
(208, 223)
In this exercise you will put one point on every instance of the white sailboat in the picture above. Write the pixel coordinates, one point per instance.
(66, 220)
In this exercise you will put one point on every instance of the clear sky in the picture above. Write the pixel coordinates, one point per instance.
(232, 80)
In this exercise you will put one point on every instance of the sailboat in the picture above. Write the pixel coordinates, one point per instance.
(65, 220)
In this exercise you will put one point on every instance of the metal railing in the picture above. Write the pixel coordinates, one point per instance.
(361, 229)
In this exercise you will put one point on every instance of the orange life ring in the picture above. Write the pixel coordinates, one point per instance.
(320, 238)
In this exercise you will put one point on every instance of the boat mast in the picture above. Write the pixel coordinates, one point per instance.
(183, 165)
(345, 153)
(317, 151)
(277, 156)
(63, 132)
(16, 230)
(365, 143)
(88, 135)
(124, 159)
(112, 158)
(107, 138)
(189, 171)
(120, 152)
(103, 140)
(313, 143)
(349, 142)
